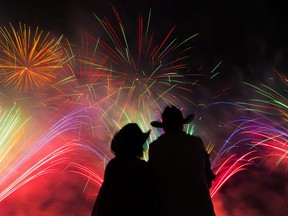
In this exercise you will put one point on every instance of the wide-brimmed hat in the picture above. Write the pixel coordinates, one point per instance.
(172, 116)
(129, 140)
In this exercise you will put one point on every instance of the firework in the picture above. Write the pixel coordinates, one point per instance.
(258, 138)
(268, 131)
(12, 124)
(231, 166)
(29, 59)
(144, 72)
(27, 155)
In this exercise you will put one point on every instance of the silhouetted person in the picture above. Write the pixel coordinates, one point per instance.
(127, 189)
(182, 168)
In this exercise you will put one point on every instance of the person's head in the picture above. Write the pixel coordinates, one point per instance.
(129, 141)
(172, 119)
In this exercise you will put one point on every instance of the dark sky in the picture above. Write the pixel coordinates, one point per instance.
(236, 32)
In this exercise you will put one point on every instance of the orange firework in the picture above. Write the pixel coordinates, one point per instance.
(28, 59)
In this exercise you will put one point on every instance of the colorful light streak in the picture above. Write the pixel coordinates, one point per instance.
(28, 59)
(30, 157)
(149, 70)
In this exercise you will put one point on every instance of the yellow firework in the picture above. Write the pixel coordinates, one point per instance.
(28, 59)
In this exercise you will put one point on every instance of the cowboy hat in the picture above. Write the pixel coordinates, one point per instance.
(129, 139)
(172, 116)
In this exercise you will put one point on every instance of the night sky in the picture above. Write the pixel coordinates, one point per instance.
(247, 37)
(240, 33)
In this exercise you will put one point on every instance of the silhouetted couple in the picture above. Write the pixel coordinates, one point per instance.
(174, 182)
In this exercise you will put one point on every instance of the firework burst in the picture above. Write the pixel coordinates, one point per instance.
(141, 69)
(29, 59)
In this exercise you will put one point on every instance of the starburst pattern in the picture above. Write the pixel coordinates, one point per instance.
(29, 59)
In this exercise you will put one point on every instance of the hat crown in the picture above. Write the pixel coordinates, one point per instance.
(172, 116)
(129, 140)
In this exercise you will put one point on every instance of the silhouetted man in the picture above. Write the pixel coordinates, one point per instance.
(182, 168)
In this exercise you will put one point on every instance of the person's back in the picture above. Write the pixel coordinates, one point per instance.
(128, 186)
(126, 189)
(178, 161)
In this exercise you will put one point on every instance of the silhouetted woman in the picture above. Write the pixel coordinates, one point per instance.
(127, 189)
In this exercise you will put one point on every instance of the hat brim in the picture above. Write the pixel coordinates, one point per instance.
(186, 120)
(145, 136)
(157, 124)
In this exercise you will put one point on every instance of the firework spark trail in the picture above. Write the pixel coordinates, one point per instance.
(12, 123)
(247, 129)
(61, 131)
(273, 102)
(234, 156)
(242, 125)
(269, 134)
(50, 165)
(265, 141)
(28, 59)
(232, 165)
(259, 136)
(88, 66)
(154, 71)
(282, 76)
(270, 140)
(29, 175)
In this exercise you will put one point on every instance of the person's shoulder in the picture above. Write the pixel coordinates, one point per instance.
(112, 162)
(195, 137)
(158, 140)
(139, 164)
(141, 161)
(198, 138)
